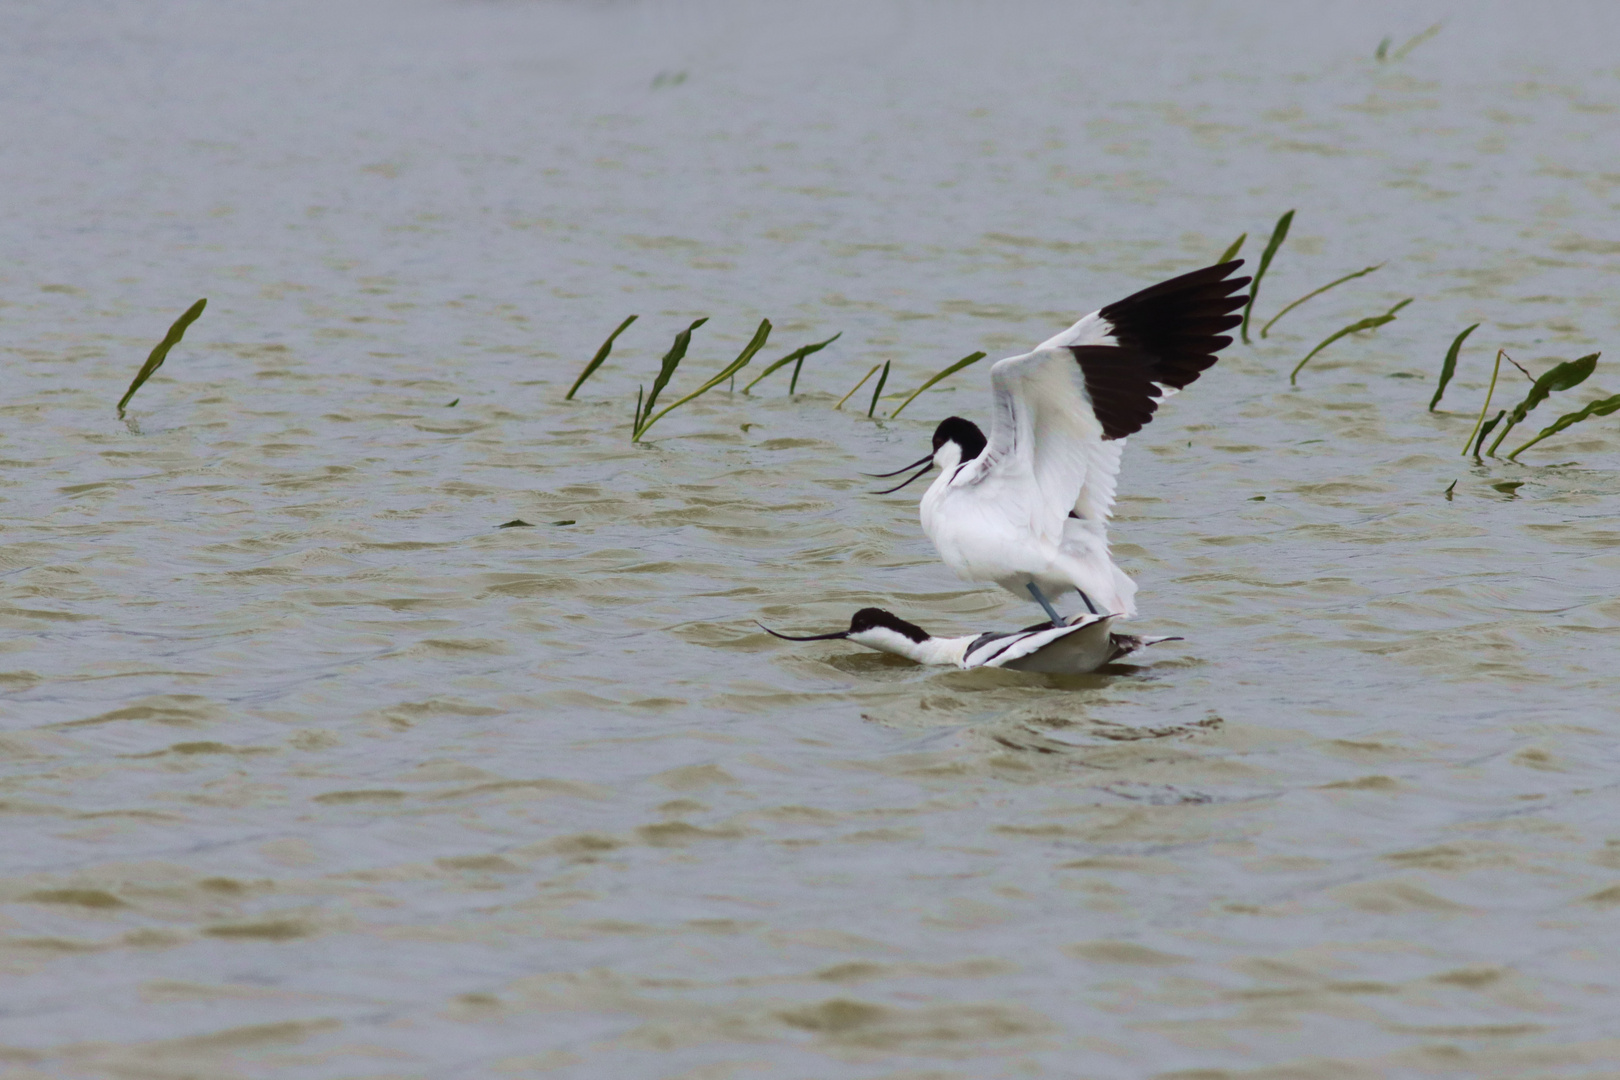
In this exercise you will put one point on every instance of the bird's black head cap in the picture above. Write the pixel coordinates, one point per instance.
(964, 433)
(870, 618)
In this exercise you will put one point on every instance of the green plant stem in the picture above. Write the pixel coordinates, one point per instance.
(1564, 376)
(857, 386)
(160, 352)
(1485, 408)
(971, 358)
(1354, 328)
(796, 358)
(596, 361)
(1278, 235)
(754, 345)
(1266, 329)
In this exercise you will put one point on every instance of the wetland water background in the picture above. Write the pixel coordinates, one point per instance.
(311, 771)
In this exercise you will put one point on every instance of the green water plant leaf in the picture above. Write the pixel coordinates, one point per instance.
(1564, 376)
(796, 358)
(857, 386)
(666, 369)
(1278, 235)
(1417, 39)
(1381, 53)
(1231, 253)
(966, 361)
(1372, 323)
(1449, 367)
(1485, 429)
(601, 355)
(161, 351)
(1496, 369)
(877, 391)
(1266, 329)
(1601, 407)
(756, 343)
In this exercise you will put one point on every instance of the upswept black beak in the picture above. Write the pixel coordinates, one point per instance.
(901, 469)
(927, 463)
(811, 637)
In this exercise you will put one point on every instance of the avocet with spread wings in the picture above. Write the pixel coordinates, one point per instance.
(1028, 507)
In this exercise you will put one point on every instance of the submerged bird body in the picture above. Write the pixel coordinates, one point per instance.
(1082, 645)
(1027, 506)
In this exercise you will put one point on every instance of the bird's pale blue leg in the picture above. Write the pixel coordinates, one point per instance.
(1040, 598)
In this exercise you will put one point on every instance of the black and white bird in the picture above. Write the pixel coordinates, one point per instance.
(1027, 508)
(1074, 648)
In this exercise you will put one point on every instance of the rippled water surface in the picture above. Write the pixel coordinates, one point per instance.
(310, 770)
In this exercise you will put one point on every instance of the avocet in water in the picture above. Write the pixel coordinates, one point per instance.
(1073, 648)
(1027, 508)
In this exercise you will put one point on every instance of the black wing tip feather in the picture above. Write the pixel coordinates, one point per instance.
(1168, 335)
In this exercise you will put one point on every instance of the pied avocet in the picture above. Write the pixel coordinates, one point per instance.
(1028, 507)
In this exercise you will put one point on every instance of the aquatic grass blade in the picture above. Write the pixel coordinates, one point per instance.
(666, 368)
(971, 358)
(596, 361)
(754, 345)
(1449, 367)
(857, 386)
(1564, 376)
(1231, 253)
(1372, 323)
(161, 351)
(796, 357)
(1278, 235)
(1417, 39)
(1381, 53)
(1486, 429)
(1496, 370)
(1313, 294)
(636, 424)
(1602, 407)
(877, 391)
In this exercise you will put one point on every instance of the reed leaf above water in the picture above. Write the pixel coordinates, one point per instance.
(877, 391)
(1313, 294)
(1449, 367)
(601, 355)
(161, 351)
(796, 358)
(1278, 235)
(857, 386)
(1564, 376)
(1417, 39)
(1496, 369)
(1602, 407)
(1372, 323)
(649, 418)
(971, 358)
(666, 368)
(1231, 253)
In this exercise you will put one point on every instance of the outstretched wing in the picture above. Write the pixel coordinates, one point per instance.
(1062, 410)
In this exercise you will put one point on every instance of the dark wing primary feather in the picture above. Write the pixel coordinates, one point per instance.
(1165, 335)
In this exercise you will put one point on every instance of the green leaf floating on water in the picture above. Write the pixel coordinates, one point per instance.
(1564, 376)
(1602, 407)
(1354, 328)
(649, 418)
(161, 352)
(1449, 367)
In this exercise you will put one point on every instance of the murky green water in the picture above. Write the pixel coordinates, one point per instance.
(312, 771)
